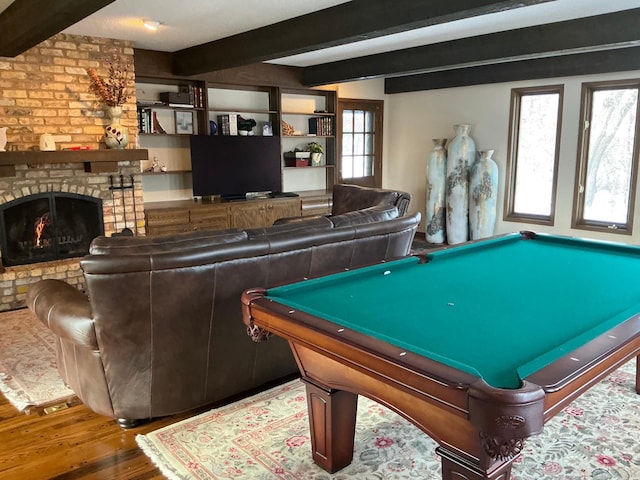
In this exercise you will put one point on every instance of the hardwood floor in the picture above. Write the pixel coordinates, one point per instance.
(72, 443)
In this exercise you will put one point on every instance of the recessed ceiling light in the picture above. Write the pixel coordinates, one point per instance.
(151, 24)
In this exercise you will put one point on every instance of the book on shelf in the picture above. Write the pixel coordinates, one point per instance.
(195, 93)
(228, 124)
(321, 126)
(148, 121)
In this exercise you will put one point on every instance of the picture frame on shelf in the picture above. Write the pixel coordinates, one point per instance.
(184, 122)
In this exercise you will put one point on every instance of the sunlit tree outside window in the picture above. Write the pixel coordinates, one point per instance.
(534, 139)
(611, 136)
(536, 154)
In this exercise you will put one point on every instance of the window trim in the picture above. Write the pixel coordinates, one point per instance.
(517, 94)
(577, 217)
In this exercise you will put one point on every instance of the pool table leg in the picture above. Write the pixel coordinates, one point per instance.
(332, 422)
(454, 467)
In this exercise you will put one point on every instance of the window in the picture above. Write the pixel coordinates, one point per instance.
(532, 159)
(607, 157)
(360, 161)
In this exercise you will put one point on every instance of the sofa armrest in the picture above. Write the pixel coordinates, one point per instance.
(65, 310)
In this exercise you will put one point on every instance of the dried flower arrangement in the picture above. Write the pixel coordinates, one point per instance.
(112, 91)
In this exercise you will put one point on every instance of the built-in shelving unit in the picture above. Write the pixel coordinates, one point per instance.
(268, 106)
(312, 115)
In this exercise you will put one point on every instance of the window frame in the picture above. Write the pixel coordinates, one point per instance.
(517, 94)
(586, 103)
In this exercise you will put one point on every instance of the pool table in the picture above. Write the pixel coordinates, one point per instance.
(478, 345)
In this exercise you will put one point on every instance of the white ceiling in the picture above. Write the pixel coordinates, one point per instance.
(192, 22)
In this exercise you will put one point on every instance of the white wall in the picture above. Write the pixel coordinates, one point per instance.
(413, 119)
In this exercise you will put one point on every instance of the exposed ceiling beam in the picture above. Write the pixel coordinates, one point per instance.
(25, 23)
(619, 29)
(345, 23)
(606, 61)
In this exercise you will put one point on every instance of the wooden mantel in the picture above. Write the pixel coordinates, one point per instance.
(95, 161)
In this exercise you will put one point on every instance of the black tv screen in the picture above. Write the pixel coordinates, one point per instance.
(232, 166)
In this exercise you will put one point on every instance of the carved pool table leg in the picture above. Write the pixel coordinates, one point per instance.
(332, 422)
(455, 467)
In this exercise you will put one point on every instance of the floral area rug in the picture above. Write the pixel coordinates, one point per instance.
(267, 437)
(28, 373)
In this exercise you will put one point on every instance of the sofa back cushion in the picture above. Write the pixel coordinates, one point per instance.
(125, 245)
(348, 198)
(378, 213)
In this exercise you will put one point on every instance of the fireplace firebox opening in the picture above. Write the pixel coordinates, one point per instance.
(48, 226)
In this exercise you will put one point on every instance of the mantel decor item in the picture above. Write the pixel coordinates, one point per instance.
(483, 193)
(460, 157)
(115, 135)
(113, 93)
(436, 183)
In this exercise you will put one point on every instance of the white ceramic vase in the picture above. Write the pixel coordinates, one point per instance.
(460, 157)
(115, 135)
(436, 183)
(483, 194)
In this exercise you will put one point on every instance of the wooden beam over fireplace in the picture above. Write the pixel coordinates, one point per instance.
(96, 161)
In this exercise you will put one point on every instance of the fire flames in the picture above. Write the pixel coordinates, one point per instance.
(41, 223)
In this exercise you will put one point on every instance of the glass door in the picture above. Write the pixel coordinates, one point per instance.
(360, 142)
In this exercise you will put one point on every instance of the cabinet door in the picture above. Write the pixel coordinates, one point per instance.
(281, 209)
(167, 221)
(209, 218)
(247, 215)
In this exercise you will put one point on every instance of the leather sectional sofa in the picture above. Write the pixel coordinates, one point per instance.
(159, 330)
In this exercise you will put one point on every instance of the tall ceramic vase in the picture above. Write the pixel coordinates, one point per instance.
(436, 182)
(461, 154)
(483, 194)
(115, 135)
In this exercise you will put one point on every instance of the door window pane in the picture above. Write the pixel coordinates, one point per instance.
(358, 121)
(347, 121)
(368, 144)
(369, 124)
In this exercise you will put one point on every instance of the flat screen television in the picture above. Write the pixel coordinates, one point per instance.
(232, 166)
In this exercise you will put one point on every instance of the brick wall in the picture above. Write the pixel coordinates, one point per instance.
(45, 90)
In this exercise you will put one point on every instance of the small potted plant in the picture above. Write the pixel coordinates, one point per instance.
(317, 154)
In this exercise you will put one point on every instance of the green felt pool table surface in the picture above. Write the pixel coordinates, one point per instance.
(500, 309)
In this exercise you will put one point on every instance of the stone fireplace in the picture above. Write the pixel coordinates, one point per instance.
(118, 195)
